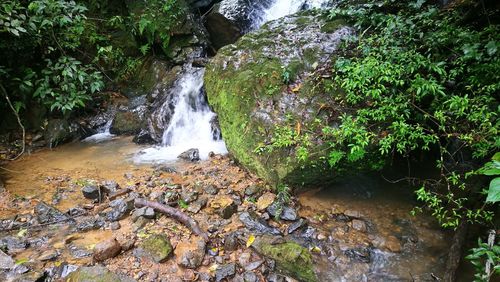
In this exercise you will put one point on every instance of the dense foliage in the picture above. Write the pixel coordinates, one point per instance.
(56, 53)
(415, 80)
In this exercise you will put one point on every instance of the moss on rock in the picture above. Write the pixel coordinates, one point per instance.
(291, 258)
(245, 86)
(157, 246)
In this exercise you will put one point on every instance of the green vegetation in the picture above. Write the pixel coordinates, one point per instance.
(56, 54)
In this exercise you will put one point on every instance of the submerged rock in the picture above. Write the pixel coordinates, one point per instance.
(246, 89)
(48, 214)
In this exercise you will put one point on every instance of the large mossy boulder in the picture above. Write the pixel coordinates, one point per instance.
(265, 84)
(94, 274)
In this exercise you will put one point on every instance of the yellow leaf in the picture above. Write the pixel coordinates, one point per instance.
(57, 263)
(316, 249)
(213, 267)
(250, 240)
(297, 88)
(297, 128)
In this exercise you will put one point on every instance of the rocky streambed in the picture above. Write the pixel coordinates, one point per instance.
(75, 220)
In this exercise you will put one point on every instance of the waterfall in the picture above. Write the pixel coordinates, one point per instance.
(281, 8)
(192, 124)
(103, 133)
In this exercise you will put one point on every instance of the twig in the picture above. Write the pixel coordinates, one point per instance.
(175, 214)
(18, 121)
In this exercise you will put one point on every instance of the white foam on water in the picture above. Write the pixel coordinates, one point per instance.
(190, 126)
(281, 8)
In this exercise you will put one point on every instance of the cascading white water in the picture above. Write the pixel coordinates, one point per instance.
(281, 8)
(190, 126)
(103, 133)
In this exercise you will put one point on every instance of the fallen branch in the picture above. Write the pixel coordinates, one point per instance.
(18, 121)
(175, 214)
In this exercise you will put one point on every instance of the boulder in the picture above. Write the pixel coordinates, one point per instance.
(246, 88)
(126, 123)
(225, 271)
(59, 131)
(253, 223)
(119, 209)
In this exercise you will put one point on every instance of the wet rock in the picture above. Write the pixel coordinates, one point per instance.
(296, 225)
(353, 214)
(106, 249)
(144, 137)
(224, 206)
(265, 201)
(189, 196)
(89, 224)
(300, 42)
(192, 155)
(165, 168)
(128, 122)
(157, 247)
(210, 189)
(250, 277)
(290, 257)
(145, 212)
(284, 212)
(78, 253)
(190, 254)
(61, 271)
(94, 273)
(76, 211)
(254, 223)
(48, 255)
(171, 197)
(231, 241)
(13, 244)
(29, 277)
(6, 262)
(59, 131)
(359, 225)
(252, 189)
(359, 254)
(308, 232)
(110, 186)
(48, 214)
(225, 271)
(119, 209)
(92, 192)
(393, 244)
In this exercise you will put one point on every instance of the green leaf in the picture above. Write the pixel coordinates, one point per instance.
(494, 191)
(491, 48)
(496, 157)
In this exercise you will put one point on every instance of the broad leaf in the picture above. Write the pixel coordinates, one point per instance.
(494, 191)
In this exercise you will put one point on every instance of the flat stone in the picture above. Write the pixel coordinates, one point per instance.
(115, 225)
(265, 201)
(189, 196)
(253, 265)
(249, 277)
(119, 209)
(106, 249)
(13, 244)
(48, 255)
(210, 189)
(353, 213)
(225, 271)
